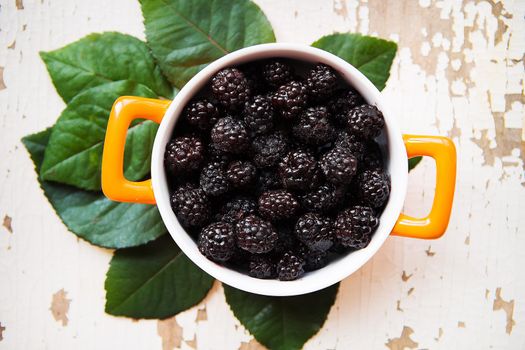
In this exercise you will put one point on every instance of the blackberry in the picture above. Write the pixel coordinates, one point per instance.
(255, 235)
(343, 101)
(299, 171)
(372, 158)
(230, 135)
(258, 115)
(323, 199)
(276, 73)
(373, 188)
(365, 121)
(277, 205)
(314, 259)
(213, 180)
(269, 149)
(217, 241)
(339, 165)
(267, 180)
(262, 266)
(290, 267)
(201, 114)
(352, 143)
(355, 226)
(314, 127)
(241, 173)
(191, 206)
(321, 82)
(290, 99)
(183, 155)
(231, 88)
(237, 209)
(315, 231)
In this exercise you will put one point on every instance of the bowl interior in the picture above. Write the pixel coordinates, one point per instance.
(390, 141)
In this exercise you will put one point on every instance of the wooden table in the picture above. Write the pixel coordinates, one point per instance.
(459, 72)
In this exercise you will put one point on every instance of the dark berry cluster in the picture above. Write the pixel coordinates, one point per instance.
(275, 173)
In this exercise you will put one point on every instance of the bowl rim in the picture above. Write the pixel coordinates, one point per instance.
(336, 270)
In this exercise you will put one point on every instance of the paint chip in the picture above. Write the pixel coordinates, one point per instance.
(19, 4)
(7, 223)
(410, 291)
(461, 324)
(398, 306)
(2, 329)
(403, 341)
(507, 306)
(192, 343)
(440, 334)
(12, 46)
(60, 306)
(467, 240)
(2, 84)
(340, 9)
(202, 315)
(170, 332)
(252, 345)
(405, 277)
(487, 292)
(429, 252)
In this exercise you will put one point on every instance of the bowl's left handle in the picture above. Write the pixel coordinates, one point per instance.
(114, 185)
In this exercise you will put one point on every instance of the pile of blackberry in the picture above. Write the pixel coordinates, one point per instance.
(274, 169)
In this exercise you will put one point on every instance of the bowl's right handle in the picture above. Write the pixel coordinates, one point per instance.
(443, 151)
(114, 185)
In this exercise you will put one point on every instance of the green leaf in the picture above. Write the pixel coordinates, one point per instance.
(154, 281)
(74, 154)
(102, 58)
(413, 162)
(185, 36)
(92, 216)
(372, 56)
(281, 322)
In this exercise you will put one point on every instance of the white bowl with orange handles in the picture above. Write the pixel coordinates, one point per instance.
(395, 146)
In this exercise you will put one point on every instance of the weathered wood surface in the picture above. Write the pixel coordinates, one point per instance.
(459, 72)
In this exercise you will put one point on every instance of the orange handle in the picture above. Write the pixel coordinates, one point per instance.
(443, 151)
(114, 185)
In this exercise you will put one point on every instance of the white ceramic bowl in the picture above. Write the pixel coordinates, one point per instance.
(391, 141)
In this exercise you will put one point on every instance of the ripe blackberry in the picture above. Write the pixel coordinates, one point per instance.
(365, 121)
(372, 158)
(201, 114)
(352, 143)
(231, 88)
(373, 188)
(262, 266)
(213, 180)
(277, 205)
(267, 180)
(255, 235)
(314, 259)
(299, 171)
(290, 267)
(343, 101)
(258, 115)
(241, 173)
(230, 135)
(290, 99)
(237, 209)
(314, 127)
(269, 149)
(315, 231)
(339, 165)
(321, 82)
(217, 241)
(191, 206)
(323, 199)
(276, 73)
(183, 154)
(354, 226)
